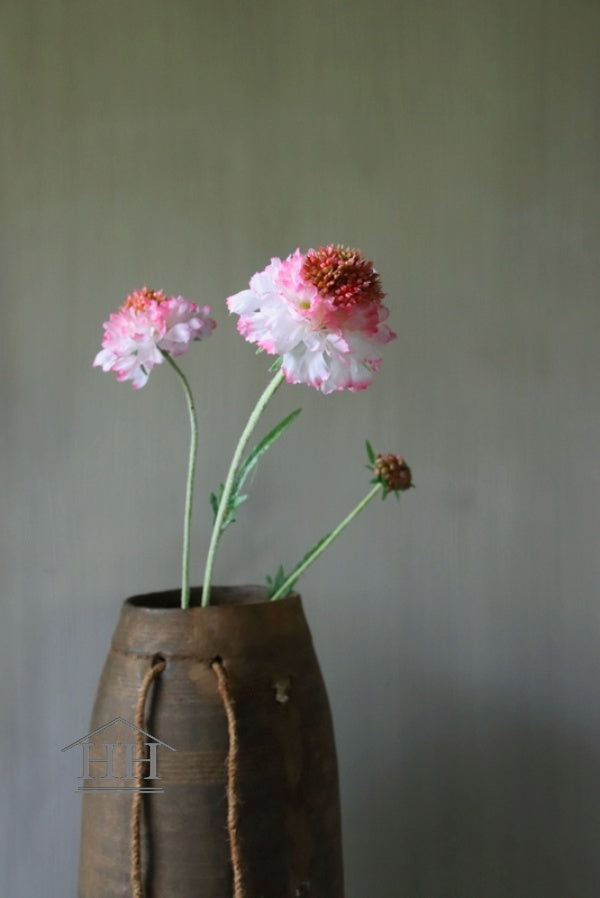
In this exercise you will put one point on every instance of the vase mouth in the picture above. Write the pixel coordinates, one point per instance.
(170, 599)
(238, 616)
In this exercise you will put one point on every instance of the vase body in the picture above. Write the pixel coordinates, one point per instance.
(288, 826)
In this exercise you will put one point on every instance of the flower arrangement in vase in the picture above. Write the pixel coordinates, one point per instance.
(251, 804)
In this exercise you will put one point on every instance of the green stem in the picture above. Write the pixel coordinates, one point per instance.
(235, 462)
(187, 518)
(322, 545)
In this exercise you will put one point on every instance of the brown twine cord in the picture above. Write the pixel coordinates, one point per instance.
(137, 886)
(232, 793)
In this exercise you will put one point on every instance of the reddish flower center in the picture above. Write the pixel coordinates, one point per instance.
(139, 300)
(343, 275)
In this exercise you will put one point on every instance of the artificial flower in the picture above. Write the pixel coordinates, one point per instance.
(322, 312)
(146, 325)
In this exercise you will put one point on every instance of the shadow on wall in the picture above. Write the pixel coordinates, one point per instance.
(486, 802)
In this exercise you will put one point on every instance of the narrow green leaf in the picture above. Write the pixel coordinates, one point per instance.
(262, 447)
(370, 452)
(236, 498)
(309, 555)
(275, 582)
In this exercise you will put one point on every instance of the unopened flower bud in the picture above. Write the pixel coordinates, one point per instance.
(394, 473)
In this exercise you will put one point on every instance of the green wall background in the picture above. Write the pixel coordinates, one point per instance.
(182, 144)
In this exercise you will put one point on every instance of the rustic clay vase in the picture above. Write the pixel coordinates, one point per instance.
(286, 774)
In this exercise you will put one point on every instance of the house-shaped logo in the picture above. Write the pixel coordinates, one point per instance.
(108, 766)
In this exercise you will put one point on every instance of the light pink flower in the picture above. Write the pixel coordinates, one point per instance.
(148, 322)
(322, 312)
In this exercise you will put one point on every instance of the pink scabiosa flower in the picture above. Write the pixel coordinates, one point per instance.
(322, 312)
(148, 322)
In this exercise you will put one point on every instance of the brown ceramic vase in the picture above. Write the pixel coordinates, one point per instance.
(288, 827)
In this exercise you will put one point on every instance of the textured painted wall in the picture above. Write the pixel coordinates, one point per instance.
(182, 144)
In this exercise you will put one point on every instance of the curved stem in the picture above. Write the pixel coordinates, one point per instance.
(187, 518)
(235, 461)
(322, 545)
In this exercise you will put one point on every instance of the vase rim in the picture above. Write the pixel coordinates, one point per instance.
(221, 596)
(155, 623)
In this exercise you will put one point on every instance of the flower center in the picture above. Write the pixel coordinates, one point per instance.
(343, 275)
(139, 300)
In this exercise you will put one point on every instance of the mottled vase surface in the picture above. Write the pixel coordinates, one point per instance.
(286, 774)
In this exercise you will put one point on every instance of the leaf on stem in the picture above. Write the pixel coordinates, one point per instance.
(233, 504)
(260, 449)
(370, 452)
(274, 583)
(236, 498)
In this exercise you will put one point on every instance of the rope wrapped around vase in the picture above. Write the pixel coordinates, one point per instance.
(137, 885)
(232, 790)
(158, 665)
